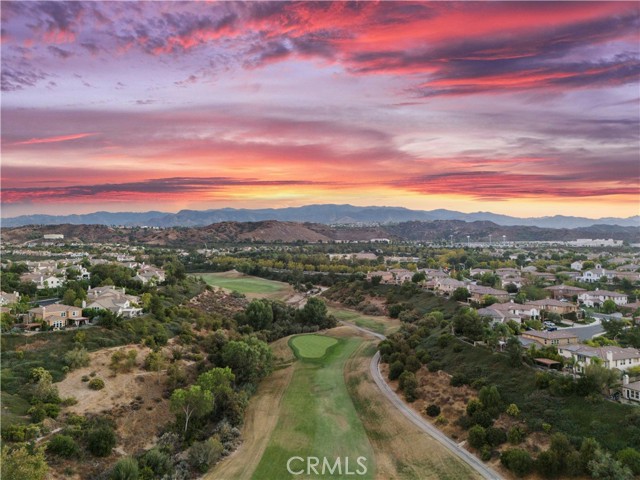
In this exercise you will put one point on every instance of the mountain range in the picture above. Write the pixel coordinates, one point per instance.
(287, 232)
(325, 214)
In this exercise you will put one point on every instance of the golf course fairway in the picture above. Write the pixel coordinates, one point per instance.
(318, 417)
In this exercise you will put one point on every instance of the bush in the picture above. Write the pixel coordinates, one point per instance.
(441, 420)
(158, 462)
(548, 464)
(517, 460)
(433, 410)
(101, 440)
(630, 458)
(76, 358)
(125, 469)
(52, 410)
(486, 453)
(513, 410)
(477, 437)
(458, 379)
(434, 366)
(37, 413)
(63, 446)
(96, 384)
(516, 435)
(495, 436)
(203, 455)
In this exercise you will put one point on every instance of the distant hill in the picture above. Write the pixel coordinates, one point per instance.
(325, 214)
(276, 231)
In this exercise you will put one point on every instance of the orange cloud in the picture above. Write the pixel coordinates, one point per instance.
(60, 138)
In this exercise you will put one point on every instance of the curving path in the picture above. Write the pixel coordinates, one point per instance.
(484, 470)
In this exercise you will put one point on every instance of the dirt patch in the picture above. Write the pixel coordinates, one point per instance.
(219, 301)
(31, 346)
(134, 399)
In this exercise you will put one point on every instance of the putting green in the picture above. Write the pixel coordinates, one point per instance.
(311, 346)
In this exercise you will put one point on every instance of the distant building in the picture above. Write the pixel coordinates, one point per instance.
(610, 357)
(478, 292)
(599, 242)
(567, 292)
(555, 339)
(598, 297)
(53, 236)
(57, 316)
(630, 391)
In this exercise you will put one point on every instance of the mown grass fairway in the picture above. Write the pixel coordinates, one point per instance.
(319, 418)
(247, 284)
(311, 346)
(384, 325)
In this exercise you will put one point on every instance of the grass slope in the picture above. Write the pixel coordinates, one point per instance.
(321, 420)
(245, 283)
(384, 325)
(311, 346)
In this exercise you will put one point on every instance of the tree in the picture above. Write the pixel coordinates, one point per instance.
(588, 450)
(259, 314)
(548, 464)
(604, 467)
(517, 460)
(418, 277)
(69, 297)
(43, 389)
(76, 358)
(396, 369)
(609, 306)
(511, 288)
(155, 362)
(614, 327)
(314, 312)
(460, 294)
(630, 458)
(125, 469)
(514, 350)
(495, 436)
(488, 300)
(19, 464)
(101, 440)
(490, 398)
(477, 437)
(250, 360)
(191, 402)
(596, 379)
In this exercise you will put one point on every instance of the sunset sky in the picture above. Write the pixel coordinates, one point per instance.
(526, 109)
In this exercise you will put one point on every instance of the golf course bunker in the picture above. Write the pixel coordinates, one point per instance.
(311, 346)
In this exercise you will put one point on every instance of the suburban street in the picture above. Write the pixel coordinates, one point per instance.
(420, 422)
(586, 332)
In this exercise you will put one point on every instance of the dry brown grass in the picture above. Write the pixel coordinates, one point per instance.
(402, 450)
